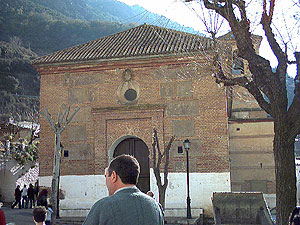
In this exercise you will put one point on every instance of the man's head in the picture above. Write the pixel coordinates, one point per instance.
(150, 193)
(39, 214)
(123, 171)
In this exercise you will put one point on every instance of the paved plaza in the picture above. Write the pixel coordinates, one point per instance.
(18, 216)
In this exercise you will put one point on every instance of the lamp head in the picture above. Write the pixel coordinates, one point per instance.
(187, 144)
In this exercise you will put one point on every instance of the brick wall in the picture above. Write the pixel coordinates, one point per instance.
(173, 97)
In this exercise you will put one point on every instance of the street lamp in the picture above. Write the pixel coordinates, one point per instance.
(187, 146)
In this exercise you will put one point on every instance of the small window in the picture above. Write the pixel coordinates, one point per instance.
(130, 95)
(66, 153)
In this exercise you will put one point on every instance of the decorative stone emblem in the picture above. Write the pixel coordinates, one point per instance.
(128, 92)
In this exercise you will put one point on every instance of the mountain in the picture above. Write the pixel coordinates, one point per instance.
(50, 25)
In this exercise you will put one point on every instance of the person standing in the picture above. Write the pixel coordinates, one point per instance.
(30, 194)
(126, 204)
(24, 197)
(36, 192)
(42, 198)
(18, 193)
(151, 194)
(49, 214)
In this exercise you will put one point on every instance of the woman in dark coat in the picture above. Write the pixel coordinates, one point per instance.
(42, 198)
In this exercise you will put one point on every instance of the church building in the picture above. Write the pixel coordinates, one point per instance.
(127, 84)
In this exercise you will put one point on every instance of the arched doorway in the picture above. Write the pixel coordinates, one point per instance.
(137, 148)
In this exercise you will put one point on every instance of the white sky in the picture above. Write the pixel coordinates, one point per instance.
(186, 14)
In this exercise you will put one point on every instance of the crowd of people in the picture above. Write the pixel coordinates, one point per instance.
(33, 198)
(25, 196)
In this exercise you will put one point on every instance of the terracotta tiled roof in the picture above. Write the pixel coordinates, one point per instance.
(139, 41)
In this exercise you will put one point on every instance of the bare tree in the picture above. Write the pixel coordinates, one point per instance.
(157, 158)
(268, 87)
(62, 121)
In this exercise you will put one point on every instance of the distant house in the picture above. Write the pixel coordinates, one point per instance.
(126, 84)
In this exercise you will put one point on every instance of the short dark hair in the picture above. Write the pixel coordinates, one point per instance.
(127, 168)
(39, 214)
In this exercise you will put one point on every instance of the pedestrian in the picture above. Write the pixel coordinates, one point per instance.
(42, 198)
(36, 192)
(18, 193)
(2, 216)
(151, 194)
(30, 195)
(49, 214)
(24, 197)
(126, 204)
(39, 215)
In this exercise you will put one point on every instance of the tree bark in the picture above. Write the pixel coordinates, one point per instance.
(55, 178)
(157, 160)
(285, 172)
(162, 196)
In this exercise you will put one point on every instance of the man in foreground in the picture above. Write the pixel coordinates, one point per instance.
(126, 204)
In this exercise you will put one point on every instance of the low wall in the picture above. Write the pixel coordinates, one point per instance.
(241, 208)
(81, 192)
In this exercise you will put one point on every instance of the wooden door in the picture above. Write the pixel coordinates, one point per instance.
(137, 148)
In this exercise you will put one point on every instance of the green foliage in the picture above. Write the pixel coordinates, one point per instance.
(24, 150)
(26, 154)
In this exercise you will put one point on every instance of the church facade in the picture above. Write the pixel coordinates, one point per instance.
(126, 85)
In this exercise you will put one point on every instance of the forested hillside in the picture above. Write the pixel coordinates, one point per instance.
(50, 25)
(46, 30)
(19, 83)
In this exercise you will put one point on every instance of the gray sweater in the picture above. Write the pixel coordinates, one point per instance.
(126, 207)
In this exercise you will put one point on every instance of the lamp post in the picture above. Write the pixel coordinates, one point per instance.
(187, 146)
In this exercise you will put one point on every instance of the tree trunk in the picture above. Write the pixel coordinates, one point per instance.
(162, 196)
(55, 178)
(285, 172)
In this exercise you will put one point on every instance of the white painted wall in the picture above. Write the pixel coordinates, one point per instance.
(81, 192)
(10, 172)
(8, 185)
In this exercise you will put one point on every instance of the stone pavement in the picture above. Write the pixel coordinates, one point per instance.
(18, 216)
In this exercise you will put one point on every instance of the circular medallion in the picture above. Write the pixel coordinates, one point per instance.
(130, 95)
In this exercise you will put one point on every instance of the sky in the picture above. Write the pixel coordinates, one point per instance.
(187, 14)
